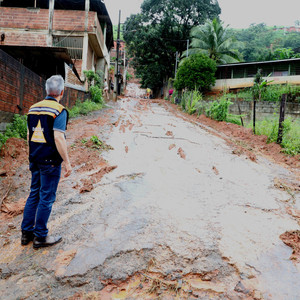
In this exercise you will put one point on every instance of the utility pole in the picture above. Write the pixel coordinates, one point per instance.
(125, 69)
(176, 63)
(187, 48)
(116, 87)
(50, 25)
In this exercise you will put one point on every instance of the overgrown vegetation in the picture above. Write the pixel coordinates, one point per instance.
(218, 110)
(271, 93)
(94, 78)
(83, 108)
(17, 129)
(191, 101)
(95, 83)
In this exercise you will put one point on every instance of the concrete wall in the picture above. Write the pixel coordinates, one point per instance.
(264, 109)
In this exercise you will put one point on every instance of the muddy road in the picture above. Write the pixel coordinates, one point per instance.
(164, 208)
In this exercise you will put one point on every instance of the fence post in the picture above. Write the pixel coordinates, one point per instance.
(254, 117)
(281, 118)
(240, 112)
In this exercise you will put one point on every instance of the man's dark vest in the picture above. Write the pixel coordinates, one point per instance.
(41, 116)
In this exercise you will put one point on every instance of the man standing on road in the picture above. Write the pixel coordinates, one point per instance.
(106, 89)
(47, 122)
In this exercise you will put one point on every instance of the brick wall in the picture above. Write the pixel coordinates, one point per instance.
(73, 20)
(20, 88)
(29, 26)
(71, 96)
(24, 27)
(28, 18)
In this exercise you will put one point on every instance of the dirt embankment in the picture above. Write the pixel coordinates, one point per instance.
(85, 157)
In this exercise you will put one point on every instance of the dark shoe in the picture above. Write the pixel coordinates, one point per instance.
(27, 237)
(46, 241)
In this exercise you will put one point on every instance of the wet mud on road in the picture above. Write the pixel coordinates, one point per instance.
(165, 207)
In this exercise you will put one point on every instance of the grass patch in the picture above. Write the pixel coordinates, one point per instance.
(17, 129)
(291, 133)
(83, 108)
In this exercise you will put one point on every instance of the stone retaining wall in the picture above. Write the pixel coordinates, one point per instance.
(264, 109)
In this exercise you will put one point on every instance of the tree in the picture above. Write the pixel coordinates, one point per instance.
(284, 53)
(196, 72)
(260, 42)
(161, 29)
(259, 84)
(213, 40)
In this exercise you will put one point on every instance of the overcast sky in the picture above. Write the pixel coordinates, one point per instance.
(236, 13)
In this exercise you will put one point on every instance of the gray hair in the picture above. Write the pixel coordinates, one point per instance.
(55, 85)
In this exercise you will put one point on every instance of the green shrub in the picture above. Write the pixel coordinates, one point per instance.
(196, 72)
(191, 101)
(94, 78)
(83, 108)
(17, 128)
(95, 140)
(96, 94)
(218, 110)
(128, 76)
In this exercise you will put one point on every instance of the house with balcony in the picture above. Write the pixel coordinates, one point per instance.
(57, 37)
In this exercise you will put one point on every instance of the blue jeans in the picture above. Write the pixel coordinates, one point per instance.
(44, 182)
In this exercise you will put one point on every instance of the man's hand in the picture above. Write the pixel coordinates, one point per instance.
(68, 169)
(61, 146)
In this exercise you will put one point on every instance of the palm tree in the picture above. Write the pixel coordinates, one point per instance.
(213, 40)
